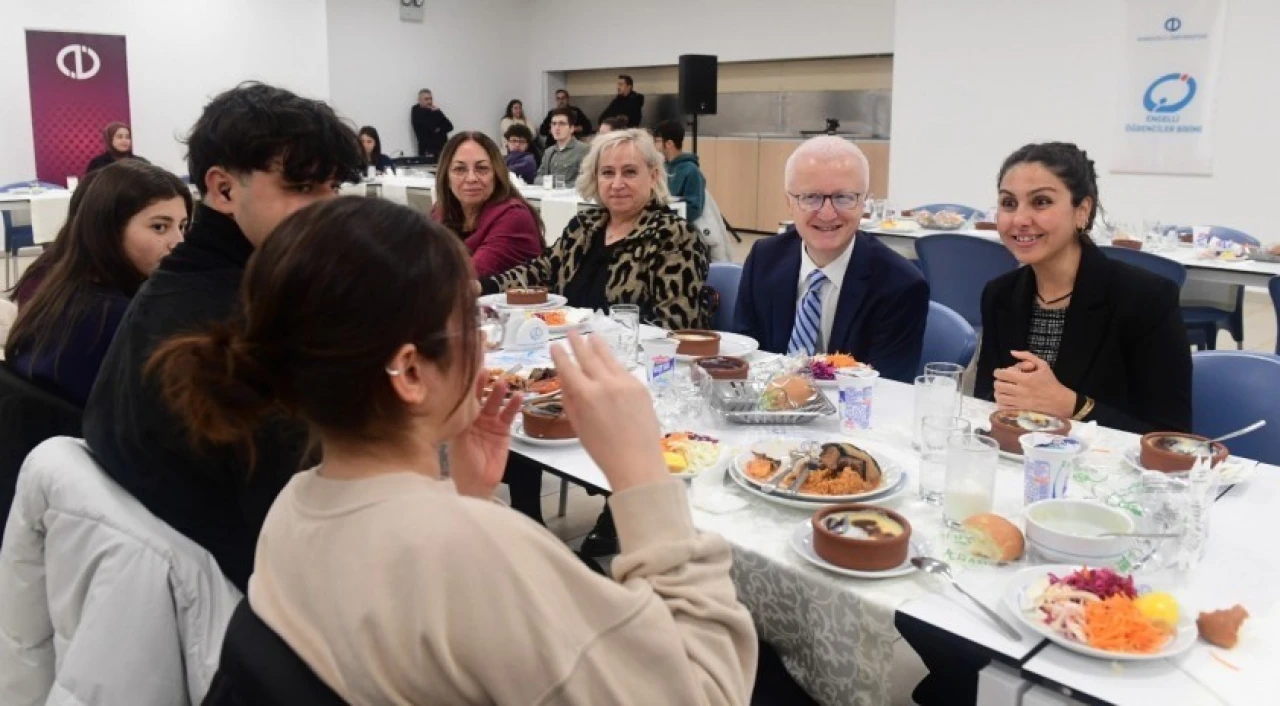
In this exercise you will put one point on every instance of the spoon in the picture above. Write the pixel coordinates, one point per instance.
(1241, 432)
(941, 568)
(1140, 535)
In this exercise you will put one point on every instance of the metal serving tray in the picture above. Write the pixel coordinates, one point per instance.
(738, 401)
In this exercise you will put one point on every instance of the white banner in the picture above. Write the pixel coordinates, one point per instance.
(1172, 54)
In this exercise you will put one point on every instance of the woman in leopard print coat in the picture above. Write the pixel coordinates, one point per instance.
(633, 250)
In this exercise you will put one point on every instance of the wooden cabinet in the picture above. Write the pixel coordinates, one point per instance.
(736, 172)
(771, 199)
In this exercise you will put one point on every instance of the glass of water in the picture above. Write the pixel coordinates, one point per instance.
(627, 316)
(949, 370)
(935, 432)
(936, 396)
(970, 487)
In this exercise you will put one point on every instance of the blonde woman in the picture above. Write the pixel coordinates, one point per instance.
(632, 249)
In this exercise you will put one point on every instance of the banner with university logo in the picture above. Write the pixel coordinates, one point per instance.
(1172, 53)
(78, 82)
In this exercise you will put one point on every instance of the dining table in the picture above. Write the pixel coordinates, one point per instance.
(1201, 265)
(836, 634)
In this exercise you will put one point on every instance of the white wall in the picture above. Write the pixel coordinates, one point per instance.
(973, 81)
(572, 34)
(180, 54)
(470, 53)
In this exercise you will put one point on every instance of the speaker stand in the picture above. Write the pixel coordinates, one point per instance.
(695, 133)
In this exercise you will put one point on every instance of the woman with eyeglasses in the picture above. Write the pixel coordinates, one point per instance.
(477, 200)
(129, 215)
(398, 586)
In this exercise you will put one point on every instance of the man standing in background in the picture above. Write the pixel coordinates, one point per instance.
(430, 126)
(581, 125)
(627, 103)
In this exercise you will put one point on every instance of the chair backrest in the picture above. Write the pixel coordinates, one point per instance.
(966, 211)
(1274, 286)
(948, 338)
(1150, 262)
(29, 414)
(1231, 389)
(1223, 233)
(723, 278)
(958, 267)
(260, 668)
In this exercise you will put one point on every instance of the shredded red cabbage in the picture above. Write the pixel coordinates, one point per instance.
(822, 370)
(1103, 583)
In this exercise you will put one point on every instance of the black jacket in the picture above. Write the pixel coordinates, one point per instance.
(205, 492)
(258, 668)
(107, 159)
(581, 120)
(432, 129)
(1124, 344)
(629, 105)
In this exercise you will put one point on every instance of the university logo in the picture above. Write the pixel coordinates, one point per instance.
(1169, 93)
(72, 62)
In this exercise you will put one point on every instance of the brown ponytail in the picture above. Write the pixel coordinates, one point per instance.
(214, 383)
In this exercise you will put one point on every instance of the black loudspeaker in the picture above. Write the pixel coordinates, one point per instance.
(698, 84)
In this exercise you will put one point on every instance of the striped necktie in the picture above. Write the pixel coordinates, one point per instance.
(808, 326)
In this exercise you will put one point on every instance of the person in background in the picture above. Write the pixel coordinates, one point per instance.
(119, 141)
(618, 122)
(824, 287)
(520, 160)
(684, 177)
(513, 116)
(476, 200)
(257, 154)
(562, 160)
(430, 125)
(376, 521)
(1076, 334)
(130, 216)
(631, 249)
(374, 157)
(627, 103)
(581, 124)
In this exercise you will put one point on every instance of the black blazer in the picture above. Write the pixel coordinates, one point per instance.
(880, 318)
(1124, 344)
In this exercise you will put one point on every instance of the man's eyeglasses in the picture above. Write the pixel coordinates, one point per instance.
(814, 202)
(559, 123)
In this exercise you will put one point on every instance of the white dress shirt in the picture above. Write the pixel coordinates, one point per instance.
(830, 291)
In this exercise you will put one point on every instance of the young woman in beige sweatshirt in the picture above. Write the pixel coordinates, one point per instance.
(398, 587)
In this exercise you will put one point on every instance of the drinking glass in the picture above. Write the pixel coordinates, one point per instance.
(953, 371)
(627, 316)
(559, 183)
(935, 432)
(936, 396)
(970, 486)
(492, 327)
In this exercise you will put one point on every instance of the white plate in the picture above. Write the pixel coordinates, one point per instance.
(575, 320)
(802, 543)
(517, 433)
(1029, 582)
(499, 301)
(695, 472)
(1230, 472)
(880, 497)
(731, 344)
(902, 227)
(891, 476)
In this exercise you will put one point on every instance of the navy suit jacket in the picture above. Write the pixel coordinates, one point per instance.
(880, 318)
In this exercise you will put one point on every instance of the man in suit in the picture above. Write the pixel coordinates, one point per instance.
(824, 287)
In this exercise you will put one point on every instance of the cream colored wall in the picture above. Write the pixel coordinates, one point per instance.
(840, 74)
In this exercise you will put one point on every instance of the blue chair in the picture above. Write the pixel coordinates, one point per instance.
(1232, 389)
(1150, 262)
(958, 267)
(724, 278)
(966, 211)
(1274, 286)
(1204, 322)
(948, 338)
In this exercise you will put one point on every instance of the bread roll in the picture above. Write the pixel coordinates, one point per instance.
(994, 537)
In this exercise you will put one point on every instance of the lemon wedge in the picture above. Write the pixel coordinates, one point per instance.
(1158, 607)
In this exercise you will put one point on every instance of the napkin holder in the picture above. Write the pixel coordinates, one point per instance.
(525, 333)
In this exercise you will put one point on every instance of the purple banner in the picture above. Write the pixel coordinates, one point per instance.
(79, 83)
